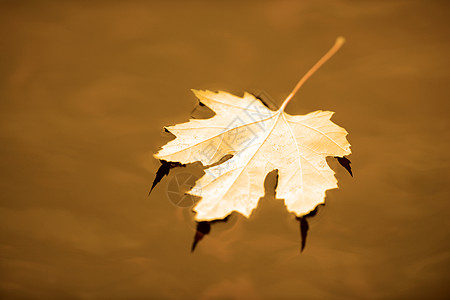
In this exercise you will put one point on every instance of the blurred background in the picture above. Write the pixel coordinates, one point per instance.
(86, 88)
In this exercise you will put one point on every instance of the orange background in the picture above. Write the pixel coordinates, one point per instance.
(87, 86)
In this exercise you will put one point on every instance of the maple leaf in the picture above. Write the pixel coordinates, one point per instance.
(259, 140)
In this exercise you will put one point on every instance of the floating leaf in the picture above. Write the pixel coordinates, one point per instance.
(258, 140)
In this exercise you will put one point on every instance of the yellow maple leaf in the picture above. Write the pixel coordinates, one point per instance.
(260, 140)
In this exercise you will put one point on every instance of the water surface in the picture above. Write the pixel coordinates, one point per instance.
(86, 89)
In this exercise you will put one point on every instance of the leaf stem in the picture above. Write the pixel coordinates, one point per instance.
(339, 42)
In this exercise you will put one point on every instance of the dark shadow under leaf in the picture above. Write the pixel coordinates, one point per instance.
(204, 228)
(304, 227)
(345, 162)
(164, 170)
(265, 99)
(201, 111)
